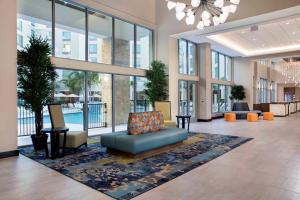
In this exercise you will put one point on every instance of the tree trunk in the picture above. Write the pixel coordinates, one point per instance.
(38, 121)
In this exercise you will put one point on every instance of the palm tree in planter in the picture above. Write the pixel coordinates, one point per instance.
(157, 85)
(238, 94)
(36, 76)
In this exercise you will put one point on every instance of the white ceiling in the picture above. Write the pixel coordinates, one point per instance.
(270, 38)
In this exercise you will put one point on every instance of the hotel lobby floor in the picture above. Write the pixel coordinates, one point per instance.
(266, 168)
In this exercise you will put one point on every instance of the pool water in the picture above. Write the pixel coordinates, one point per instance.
(70, 118)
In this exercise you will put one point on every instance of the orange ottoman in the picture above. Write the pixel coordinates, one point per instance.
(230, 117)
(252, 117)
(269, 116)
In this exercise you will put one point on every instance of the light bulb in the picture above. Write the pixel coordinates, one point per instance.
(235, 1)
(207, 22)
(180, 7)
(219, 3)
(223, 17)
(216, 20)
(195, 3)
(180, 15)
(205, 15)
(233, 8)
(226, 9)
(190, 20)
(200, 25)
(171, 5)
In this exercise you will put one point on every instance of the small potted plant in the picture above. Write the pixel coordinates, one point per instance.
(36, 76)
(157, 85)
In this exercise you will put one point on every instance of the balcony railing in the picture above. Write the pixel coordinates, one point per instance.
(73, 113)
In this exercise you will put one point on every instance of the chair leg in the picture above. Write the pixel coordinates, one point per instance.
(64, 144)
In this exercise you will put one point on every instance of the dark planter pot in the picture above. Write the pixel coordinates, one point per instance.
(39, 141)
(240, 106)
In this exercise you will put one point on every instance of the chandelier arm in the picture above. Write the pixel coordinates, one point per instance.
(214, 11)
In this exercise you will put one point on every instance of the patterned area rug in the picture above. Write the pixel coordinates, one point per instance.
(122, 177)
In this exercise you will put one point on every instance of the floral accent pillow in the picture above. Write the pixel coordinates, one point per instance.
(138, 123)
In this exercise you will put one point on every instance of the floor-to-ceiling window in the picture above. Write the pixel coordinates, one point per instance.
(221, 66)
(81, 33)
(124, 43)
(263, 90)
(143, 47)
(99, 38)
(221, 101)
(273, 91)
(215, 65)
(69, 31)
(187, 57)
(29, 22)
(221, 75)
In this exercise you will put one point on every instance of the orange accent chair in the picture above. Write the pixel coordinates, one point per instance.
(230, 117)
(269, 116)
(252, 117)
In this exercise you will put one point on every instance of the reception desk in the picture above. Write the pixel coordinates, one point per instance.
(280, 109)
(283, 109)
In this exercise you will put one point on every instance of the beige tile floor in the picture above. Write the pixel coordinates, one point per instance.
(267, 168)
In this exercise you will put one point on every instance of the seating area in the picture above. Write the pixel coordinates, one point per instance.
(150, 99)
(146, 131)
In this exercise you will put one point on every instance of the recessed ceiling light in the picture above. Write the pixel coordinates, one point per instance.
(253, 39)
(294, 33)
(287, 23)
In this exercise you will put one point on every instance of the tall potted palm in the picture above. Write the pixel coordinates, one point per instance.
(157, 85)
(36, 76)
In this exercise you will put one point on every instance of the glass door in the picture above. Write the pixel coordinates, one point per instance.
(99, 102)
(70, 93)
(187, 98)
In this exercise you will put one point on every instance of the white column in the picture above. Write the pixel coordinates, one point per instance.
(204, 86)
(173, 76)
(8, 77)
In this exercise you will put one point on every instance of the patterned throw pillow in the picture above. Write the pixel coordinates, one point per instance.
(156, 121)
(138, 123)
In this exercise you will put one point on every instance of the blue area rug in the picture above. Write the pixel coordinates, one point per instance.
(123, 177)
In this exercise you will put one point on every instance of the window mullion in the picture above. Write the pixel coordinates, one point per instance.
(53, 28)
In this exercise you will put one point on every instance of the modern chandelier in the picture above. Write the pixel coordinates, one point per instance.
(290, 73)
(212, 11)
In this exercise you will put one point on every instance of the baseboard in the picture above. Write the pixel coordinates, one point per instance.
(9, 154)
(218, 117)
(204, 120)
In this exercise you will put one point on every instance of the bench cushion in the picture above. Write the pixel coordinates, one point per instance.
(140, 143)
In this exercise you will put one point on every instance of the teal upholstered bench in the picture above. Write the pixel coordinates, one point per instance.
(135, 144)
